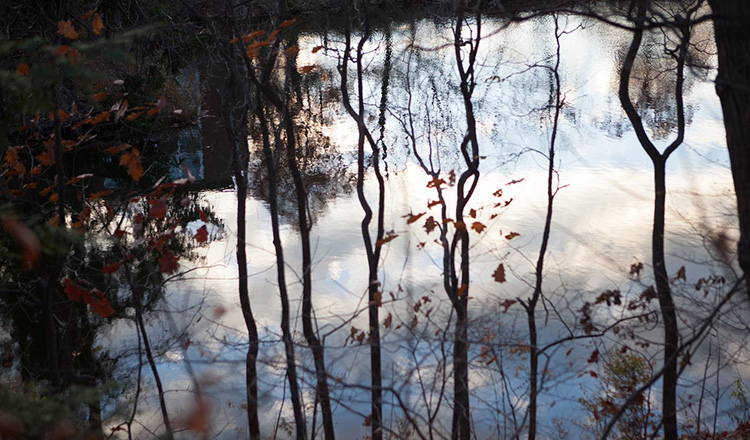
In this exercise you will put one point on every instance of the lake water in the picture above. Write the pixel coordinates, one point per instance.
(601, 226)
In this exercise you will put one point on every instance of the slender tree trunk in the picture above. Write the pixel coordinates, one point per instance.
(461, 427)
(321, 390)
(532, 302)
(272, 163)
(374, 290)
(251, 371)
(659, 160)
(732, 30)
(666, 304)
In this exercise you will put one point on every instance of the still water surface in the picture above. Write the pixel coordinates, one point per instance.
(601, 225)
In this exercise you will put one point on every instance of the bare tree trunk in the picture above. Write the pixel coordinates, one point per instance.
(732, 30)
(461, 426)
(251, 371)
(531, 303)
(663, 290)
(322, 393)
(373, 252)
(272, 163)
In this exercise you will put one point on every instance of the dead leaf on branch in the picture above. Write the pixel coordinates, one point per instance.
(499, 274)
(411, 218)
(66, 29)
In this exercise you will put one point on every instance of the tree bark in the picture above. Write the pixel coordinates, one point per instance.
(732, 33)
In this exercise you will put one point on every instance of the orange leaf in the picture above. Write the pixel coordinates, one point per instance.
(131, 160)
(473, 213)
(499, 274)
(47, 158)
(99, 97)
(101, 117)
(134, 115)
(22, 69)
(287, 23)
(100, 194)
(202, 235)
(98, 24)
(512, 235)
(66, 29)
(478, 226)
(88, 14)
(253, 35)
(317, 48)
(117, 149)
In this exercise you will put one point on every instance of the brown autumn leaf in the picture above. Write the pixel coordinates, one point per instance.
(391, 236)
(435, 182)
(101, 117)
(307, 69)
(26, 239)
(594, 358)
(201, 236)
(411, 218)
(499, 274)
(198, 419)
(22, 69)
(168, 263)
(158, 210)
(478, 227)
(98, 24)
(100, 305)
(680, 275)
(430, 224)
(317, 48)
(512, 235)
(507, 304)
(99, 97)
(88, 14)
(131, 160)
(287, 23)
(111, 268)
(66, 29)
(47, 157)
(388, 321)
(292, 51)
(117, 149)
(473, 213)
